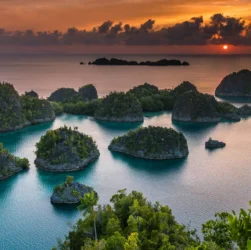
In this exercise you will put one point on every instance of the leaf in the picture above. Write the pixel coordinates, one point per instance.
(249, 245)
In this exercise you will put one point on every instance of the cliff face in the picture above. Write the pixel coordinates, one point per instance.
(64, 150)
(235, 85)
(119, 107)
(154, 143)
(195, 107)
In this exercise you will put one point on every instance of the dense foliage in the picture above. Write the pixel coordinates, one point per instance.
(58, 108)
(88, 92)
(183, 88)
(195, 106)
(133, 223)
(35, 110)
(10, 108)
(64, 145)
(118, 105)
(130, 223)
(226, 108)
(64, 95)
(152, 142)
(82, 108)
(9, 164)
(31, 94)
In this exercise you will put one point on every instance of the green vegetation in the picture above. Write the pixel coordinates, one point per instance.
(88, 92)
(82, 108)
(31, 94)
(65, 145)
(35, 110)
(64, 95)
(183, 88)
(133, 223)
(10, 164)
(118, 106)
(226, 108)
(10, 108)
(58, 108)
(152, 143)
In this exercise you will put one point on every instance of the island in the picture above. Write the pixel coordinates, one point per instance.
(88, 92)
(31, 93)
(119, 107)
(237, 84)
(213, 144)
(17, 112)
(64, 150)
(10, 164)
(69, 192)
(195, 107)
(228, 111)
(118, 62)
(64, 95)
(152, 143)
(245, 110)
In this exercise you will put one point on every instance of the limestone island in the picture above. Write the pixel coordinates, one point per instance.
(244, 110)
(69, 192)
(69, 95)
(228, 111)
(65, 150)
(196, 107)
(10, 164)
(119, 107)
(17, 112)
(212, 144)
(237, 84)
(153, 143)
(119, 62)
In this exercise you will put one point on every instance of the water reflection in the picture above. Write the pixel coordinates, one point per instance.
(151, 166)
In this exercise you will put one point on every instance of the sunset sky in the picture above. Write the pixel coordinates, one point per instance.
(50, 15)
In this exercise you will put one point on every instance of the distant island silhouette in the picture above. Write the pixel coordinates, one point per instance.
(118, 62)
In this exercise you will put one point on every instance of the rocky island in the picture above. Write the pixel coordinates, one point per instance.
(119, 62)
(155, 143)
(66, 192)
(237, 84)
(17, 112)
(64, 95)
(212, 144)
(88, 92)
(9, 164)
(228, 111)
(65, 150)
(119, 107)
(195, 107)
(245, 110)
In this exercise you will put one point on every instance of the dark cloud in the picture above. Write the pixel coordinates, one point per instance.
(219, 30)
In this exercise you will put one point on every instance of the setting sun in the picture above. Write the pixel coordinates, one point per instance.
(225, 47)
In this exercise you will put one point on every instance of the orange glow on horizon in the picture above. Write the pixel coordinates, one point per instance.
(225, 47)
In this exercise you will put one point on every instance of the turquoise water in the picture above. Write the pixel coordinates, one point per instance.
(195, 188)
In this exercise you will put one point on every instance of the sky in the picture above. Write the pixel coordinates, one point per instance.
(125, 26)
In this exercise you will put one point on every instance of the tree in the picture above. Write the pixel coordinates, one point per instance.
(132, 242)
(87, 204)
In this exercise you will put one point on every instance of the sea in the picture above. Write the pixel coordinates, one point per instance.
(195, 188)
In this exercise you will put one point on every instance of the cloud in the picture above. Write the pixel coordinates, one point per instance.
(220, 29)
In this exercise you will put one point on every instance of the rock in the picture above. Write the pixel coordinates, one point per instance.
(211, 144)
(235, 85)
(195, 107)
(156, 143)
(119, 62)
(119, 107)
(65, 193)
(228, 111)
(32, 94)
(10, 108)
(88, 92)
(64, 95)
(82, 63)
(9, 164)
(64, 150)
(244, 110)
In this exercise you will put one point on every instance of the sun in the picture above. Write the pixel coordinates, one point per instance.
(225, 47)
